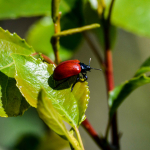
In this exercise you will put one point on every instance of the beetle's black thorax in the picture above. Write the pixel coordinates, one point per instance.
(84, 68)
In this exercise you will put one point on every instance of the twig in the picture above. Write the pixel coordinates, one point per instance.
(110, 11)
(79, 137)
(76, 30)
(55, 10)
(107, 129)
(90, 130)
(109, 75)
(100, 141)
(94, 49)
(56, 19)
(47, 59)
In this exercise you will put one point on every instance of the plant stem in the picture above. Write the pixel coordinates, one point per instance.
(56, 19)
(107, 129)
(94, 49)
(74, 143)
(109, 71)
(79, 138)
(110, 86)
(76, 30)
(47, 59)
(88, 127)
(55, 40)
(110, 11)
(98, 140)
(109, 75)
(55, 10)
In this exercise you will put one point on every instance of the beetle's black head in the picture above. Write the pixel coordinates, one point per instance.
(85, 68)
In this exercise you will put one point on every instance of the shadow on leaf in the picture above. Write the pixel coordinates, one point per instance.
(62, 84)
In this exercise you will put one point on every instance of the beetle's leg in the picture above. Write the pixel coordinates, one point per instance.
(84, 77)
(77, 80)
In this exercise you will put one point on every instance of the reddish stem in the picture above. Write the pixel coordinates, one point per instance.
(109, 71)
(110, 86)
(47, 59)
(98, 140)
(88, 127)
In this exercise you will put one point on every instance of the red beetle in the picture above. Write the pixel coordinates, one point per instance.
(71, 68)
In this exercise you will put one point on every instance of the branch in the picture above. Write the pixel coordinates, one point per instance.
(100, 141)
(94, 49)
(109, 76)
(79, 138)
(55, 10)
(76, 30)
(47, 59)
(110, 11)
(56, 19)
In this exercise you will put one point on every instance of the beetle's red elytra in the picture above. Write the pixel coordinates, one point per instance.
(71, 68)
(67, 69)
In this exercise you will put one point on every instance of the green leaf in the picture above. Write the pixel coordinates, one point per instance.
(118, 95)
(12, 103)
(45, 29)
(2, 111)
(11, 43)
(18, 8)
(132, 15)
(49, 115)
(53, 119)
(145, 67)
(32, 75)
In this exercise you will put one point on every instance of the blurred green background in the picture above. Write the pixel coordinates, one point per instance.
(134, 123)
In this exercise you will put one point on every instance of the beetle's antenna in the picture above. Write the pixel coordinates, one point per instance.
(96, 69)
(93, 68)
(89, 61)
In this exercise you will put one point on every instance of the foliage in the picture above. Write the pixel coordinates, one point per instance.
(27, 81)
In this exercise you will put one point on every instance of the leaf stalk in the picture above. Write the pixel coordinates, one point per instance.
(79, 138)
(76, 30)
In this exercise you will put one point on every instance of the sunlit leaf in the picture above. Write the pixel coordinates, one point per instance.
(49, 115)
(33, 74)
(17, 8)
(132, 15)
(12, 103)
(2, 111)
(118, 95)
(11, 43)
